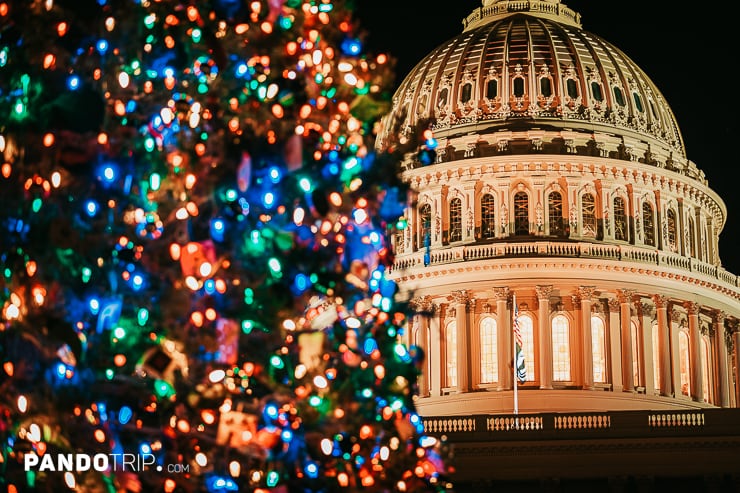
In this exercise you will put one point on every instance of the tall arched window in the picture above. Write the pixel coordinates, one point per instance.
(620, 219)
(672, 231)
(487, 216)
(451, 354)
(555, 213)
(648, 223)
(656, 356)
(488, 350)
(588, 215)
(560, 349)
(598, 343)
(521, 213)
(455, 220)
(526, 327)
(683, 359)
(425, 226)
(636, 354)
(692, 237)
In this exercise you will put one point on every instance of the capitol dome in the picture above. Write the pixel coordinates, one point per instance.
(524, 70)
(556, 187)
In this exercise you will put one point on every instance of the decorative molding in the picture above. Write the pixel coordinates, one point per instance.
(424, 305)
(544, 291)
(501, 293)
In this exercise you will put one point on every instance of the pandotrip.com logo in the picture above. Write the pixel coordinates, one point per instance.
(95, 462)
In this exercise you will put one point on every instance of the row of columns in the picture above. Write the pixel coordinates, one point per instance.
(428, 334)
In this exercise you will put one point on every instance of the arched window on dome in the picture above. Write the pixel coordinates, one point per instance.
(492, 89)
(560, 327)
(455, 217)
(618, 95)
(571, 88)
(526, 328)
(424, 239)
(546, 86)
(488, 350)
(648, 223)
(451, 355)
(692, 237)
(442, 98)
(518, 87)
(598, 344)
(466, 92)
(596, 91)
(705, 360)
(638, 102)
(588, 216)
(487, 216)
(620, 219)
(656, 356)
(421, 107)
(636, 336)
(555, 213)
(521, 213)
(671, 231)
(683, 360)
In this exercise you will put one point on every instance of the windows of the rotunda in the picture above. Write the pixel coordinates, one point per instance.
(424, 238)
(450, 351)
(561, 354)
(620, 219)
(671, 231)
(487, 216)
(521, 213)
(599, 348)
(488, 350)
(455, 220)
(555, 213)
(648, 223)
(589, 225)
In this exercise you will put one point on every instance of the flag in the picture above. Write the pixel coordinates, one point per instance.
(519, 367)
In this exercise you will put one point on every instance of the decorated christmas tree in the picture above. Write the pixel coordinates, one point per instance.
(194, 253)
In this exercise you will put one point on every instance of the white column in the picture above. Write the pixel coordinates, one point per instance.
(697, 382)
(425, 309)
(545, 346)
(505, 353)
(720, 336)
(647, 311)
(615, 344)
(664, 345)
(436, 375)
(736, 348)
(460, 303)
(587, 355)
(625, 317)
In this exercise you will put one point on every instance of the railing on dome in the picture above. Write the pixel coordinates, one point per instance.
(611, 424)
(507, 6)
(625, 253)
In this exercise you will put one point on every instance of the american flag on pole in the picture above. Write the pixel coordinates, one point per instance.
(519, 366)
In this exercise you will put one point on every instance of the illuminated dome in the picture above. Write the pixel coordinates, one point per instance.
(525, 74)
(556, 186)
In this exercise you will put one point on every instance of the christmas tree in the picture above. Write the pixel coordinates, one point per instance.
(195, 249)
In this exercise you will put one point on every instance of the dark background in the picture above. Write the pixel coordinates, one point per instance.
(691, 51)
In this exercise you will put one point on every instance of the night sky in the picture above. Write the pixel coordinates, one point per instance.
(690, 53)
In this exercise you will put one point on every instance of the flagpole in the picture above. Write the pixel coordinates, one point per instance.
(513, 366)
